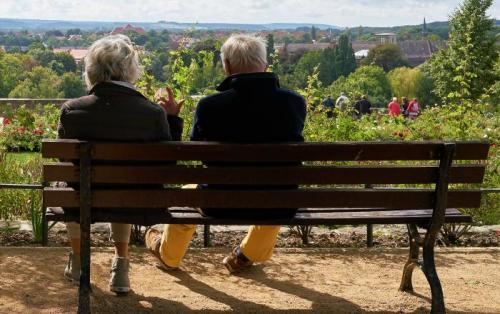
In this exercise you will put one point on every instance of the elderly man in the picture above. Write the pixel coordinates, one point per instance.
(250, 107)
(114, 110)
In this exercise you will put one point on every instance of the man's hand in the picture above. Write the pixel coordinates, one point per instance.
(171, 106)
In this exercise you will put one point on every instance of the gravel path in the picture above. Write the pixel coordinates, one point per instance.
(294, 281)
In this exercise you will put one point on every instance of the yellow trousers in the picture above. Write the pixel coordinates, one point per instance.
(257, 246)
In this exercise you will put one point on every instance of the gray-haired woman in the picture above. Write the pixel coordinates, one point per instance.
(115, 110)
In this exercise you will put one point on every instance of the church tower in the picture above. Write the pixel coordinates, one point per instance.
(424, 29)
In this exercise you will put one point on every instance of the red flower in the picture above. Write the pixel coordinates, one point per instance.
(6, 121)
(37, 132)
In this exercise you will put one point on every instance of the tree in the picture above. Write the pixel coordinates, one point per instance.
(425, 93)
(71, 85)
(13, 68)
(366, 80)
(67, 60)
(306, 38)
(39, 83)
(305, 67)
(328, 70)
(465, 70)
(345, 62)
(404, 81)
(387, 56)
(314, 33)
(270, 46)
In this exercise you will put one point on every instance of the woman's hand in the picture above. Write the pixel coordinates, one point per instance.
(171, 106)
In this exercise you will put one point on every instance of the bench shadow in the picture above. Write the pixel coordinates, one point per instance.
(321, 301)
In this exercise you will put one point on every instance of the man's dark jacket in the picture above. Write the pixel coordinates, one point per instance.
(250, 108)
(115, 112)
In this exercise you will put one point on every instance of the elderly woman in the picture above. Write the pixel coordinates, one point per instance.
(115, 110)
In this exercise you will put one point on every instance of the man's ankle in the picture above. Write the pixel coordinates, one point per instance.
(241, 256)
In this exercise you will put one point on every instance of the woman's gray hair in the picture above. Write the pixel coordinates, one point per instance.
(243, 51)
(112, 58)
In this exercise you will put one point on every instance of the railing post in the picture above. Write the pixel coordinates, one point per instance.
(85, 221)
(45, 224)
(206, 235)
(369, 227)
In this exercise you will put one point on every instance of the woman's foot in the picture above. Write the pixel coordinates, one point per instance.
(72, 270)
(119, 282)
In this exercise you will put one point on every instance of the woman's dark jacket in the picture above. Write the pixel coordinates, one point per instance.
(115, 112)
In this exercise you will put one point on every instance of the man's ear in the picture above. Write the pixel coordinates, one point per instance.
(227, 67)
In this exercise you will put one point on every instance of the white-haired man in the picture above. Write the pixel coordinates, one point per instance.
(250, 107)
(114, 110)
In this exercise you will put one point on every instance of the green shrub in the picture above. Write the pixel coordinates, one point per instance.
(19, 168)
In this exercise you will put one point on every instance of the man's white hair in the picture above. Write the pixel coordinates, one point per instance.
(244, 51)
(112, 58)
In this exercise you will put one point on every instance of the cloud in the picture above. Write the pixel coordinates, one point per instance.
(337, 12)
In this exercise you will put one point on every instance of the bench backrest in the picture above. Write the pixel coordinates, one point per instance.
(319, 179)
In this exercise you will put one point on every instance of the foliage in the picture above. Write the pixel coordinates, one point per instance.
(19, 168)
(345, 62)
(367, 80)
(23, 129)
(39, 83)
(270, 46)
(388, 56)
(465, 71)
(58, 62)
(332, 63)
(405, 81)
(425, 92)
(71, 85)
(13, 68)
(305, 67)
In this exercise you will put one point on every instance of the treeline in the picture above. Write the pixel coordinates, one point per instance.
(39, 73)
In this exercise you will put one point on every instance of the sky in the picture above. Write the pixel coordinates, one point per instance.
(345, 13)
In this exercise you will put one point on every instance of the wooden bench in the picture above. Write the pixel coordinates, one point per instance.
(331, 188)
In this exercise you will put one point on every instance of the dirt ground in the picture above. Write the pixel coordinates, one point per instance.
(294, 281)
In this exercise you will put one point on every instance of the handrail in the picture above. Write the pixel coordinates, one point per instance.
(35, 186)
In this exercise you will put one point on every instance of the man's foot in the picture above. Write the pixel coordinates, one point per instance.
(119, 282)
(72, 270)
(152, 240)
(236, 262)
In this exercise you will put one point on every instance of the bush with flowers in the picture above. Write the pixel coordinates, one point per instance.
(23, 129)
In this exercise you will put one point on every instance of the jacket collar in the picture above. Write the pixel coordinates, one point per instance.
(114, 87)
(250, 81)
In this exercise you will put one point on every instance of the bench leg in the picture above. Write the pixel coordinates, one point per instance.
(414, 238)
(85, 221)
(430, 272)
(84, 289)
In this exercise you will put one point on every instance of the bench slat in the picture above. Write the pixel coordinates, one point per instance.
(357, 198)
(68, 172)
(307, 218)
(348, 151)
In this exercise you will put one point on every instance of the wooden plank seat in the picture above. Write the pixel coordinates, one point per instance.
(303, 217)
(141, 183)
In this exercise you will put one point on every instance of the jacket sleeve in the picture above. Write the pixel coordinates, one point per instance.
(197, 132)
(300, 114)
(170, 127)
(61, 131)
(176, 126)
